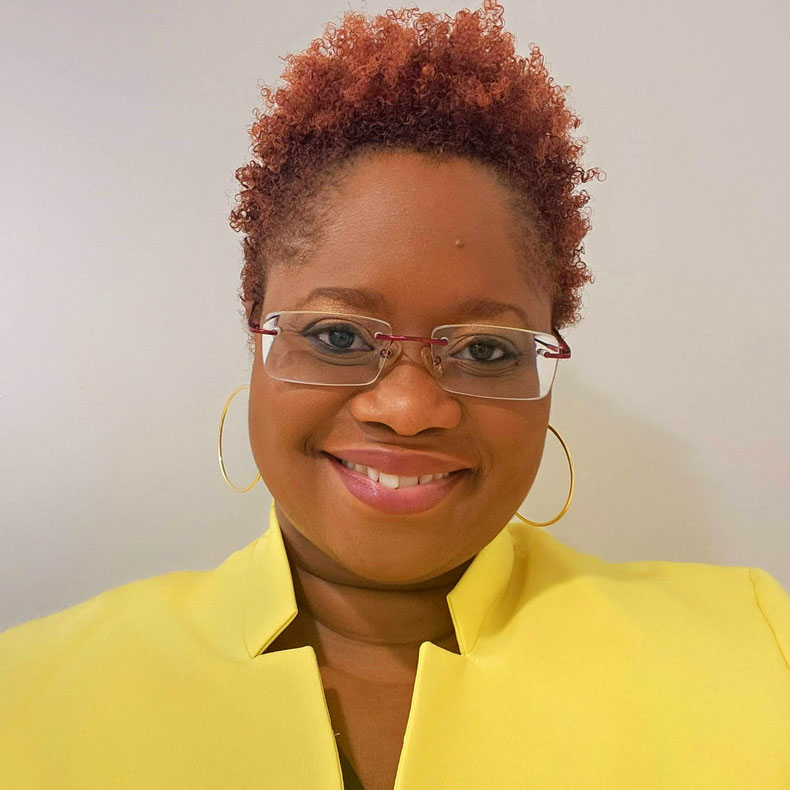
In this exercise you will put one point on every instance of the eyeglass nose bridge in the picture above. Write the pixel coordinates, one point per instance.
(392, 351)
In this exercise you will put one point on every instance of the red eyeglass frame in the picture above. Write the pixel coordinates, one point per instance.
(564, 351)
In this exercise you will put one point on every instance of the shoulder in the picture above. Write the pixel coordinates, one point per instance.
(149, 619)
(113, 609)
(740, 609)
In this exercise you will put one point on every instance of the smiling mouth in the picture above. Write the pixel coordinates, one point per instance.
(389, 480)
(410, 497)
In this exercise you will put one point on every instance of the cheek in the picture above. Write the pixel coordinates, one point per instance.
(515, 437)
(285, 423)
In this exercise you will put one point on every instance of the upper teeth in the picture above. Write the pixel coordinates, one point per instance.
(392, 481)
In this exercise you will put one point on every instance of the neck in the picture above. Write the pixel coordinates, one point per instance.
(358, 625)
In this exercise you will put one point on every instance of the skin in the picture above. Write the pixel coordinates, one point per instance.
(372, 587)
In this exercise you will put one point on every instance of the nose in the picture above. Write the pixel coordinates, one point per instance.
(407, 397)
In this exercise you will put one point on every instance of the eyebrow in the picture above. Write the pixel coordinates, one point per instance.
(488, 308)
(351, 297)
(374, 300)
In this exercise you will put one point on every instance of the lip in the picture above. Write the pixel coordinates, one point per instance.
(411, 463)
(395, 501)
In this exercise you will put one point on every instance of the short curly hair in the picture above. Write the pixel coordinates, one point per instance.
(427, 83)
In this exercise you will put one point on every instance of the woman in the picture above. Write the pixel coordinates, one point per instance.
(412, 245)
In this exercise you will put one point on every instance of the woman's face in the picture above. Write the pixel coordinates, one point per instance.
(392, 242)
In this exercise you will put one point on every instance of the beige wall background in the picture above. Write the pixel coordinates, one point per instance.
(122, 125)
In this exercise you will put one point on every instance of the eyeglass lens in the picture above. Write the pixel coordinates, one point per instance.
(334, 349)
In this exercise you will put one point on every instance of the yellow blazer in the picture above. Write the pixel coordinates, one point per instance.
(574, 673)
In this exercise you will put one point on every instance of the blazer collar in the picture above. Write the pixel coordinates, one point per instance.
(270, 601)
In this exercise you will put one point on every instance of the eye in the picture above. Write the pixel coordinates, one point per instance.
(486, 349)
(339, 337)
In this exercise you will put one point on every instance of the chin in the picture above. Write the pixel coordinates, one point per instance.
(378, 548)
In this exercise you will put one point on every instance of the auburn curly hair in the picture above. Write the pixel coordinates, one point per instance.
(409, 80)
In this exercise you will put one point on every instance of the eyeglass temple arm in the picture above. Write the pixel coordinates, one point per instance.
(257, 327)
(563, 352)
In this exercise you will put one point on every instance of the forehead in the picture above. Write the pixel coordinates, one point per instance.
(393, 232)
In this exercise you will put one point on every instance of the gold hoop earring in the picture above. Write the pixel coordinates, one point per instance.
(570, 492)
(219, 443)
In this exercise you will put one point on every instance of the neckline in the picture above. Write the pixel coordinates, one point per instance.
(270, 599)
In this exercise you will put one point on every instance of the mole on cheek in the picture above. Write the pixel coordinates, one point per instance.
(459, 243)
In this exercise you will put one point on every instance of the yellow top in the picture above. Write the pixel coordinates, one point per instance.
(574, 673)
